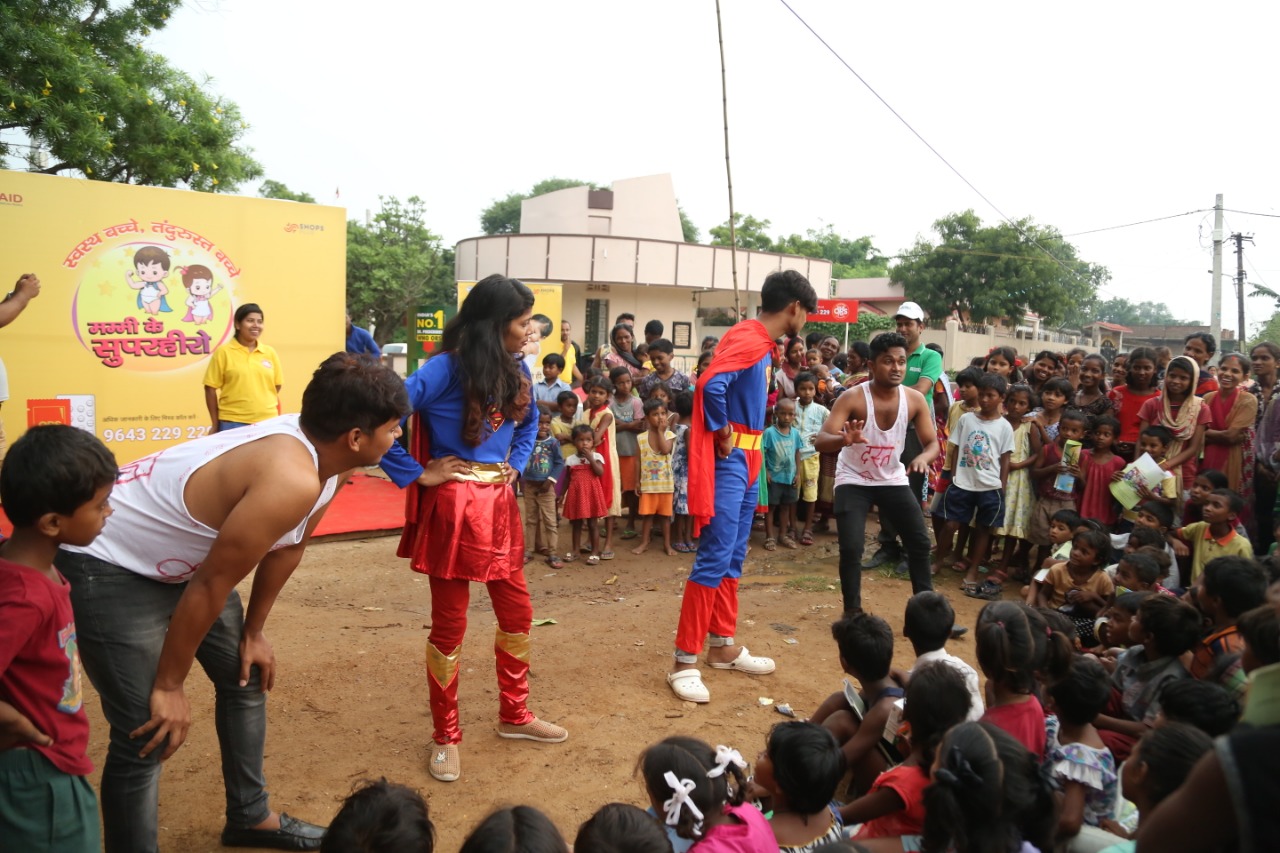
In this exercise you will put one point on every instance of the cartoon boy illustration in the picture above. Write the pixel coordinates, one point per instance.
(198, 280)
(152, 265)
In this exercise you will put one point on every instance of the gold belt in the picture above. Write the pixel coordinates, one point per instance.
(492, 473)
(747, 441)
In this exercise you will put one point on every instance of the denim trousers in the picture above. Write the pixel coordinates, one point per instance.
(898, 503)
(121, 622)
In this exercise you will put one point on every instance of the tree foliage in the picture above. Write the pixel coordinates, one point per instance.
(275, 189)
(856, 258)
(78, 83)
(752, 233)
(992, 271)
(1128, 313)
(691, 232)
(868, 326)
(394, 265)
(1268, 331)
(503, 216)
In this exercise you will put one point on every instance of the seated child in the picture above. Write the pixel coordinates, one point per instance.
(866, 651)
(1260, 628)
(1158, 766)
(1112, 628)
(1216, 536)
(623, 828)
(800, 770)
(1149, 533)
(1062, 527)
(1015, 645)
(381, 817)
(55, 487)
(518, 829)
(1078, 587)
(1163, 629)
(1139, 571)
(710, 810)
(1081, 766)
(937, 700)
(1198, 492)
(1209, 707)
(1229, 587)
(927, 624)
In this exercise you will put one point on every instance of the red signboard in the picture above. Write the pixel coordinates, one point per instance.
(835, 311)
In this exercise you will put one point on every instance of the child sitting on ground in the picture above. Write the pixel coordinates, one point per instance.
(1260, 628)
(381, 817)
(1139, 571)
(1079, 763)
(1112, 629)
(866, 651)
(1079, 587)
(700, 792)
(937, 700)
(1163, 629)
(1158, 765)
(55, 487)
(621, 828)
(799, 771)
(1015, 645)
(519, 829)
(927, 624)
(1209, 707)
(1229, 587)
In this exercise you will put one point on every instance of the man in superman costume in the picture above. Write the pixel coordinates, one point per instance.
(724, 465)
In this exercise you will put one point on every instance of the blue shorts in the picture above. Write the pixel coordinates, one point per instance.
(985, 509)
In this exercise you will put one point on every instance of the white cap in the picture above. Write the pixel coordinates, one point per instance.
(911, 311)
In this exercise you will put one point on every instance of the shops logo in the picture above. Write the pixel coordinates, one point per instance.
(14, 199)
(293, 227)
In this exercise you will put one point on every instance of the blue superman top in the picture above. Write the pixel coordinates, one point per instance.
(435, 392)
(737, 397)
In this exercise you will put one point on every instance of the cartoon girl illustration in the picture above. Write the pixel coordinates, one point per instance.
(198, 280)
(152, 265)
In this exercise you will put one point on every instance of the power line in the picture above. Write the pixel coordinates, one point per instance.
(1253, 213)
(1141, 222)
(926, 143)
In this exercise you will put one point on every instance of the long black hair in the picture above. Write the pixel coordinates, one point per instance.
(490, 375)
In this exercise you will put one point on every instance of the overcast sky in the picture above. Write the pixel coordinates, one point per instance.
(1082, 115)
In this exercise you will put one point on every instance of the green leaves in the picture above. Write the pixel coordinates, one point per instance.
(395, 264)
(503, 216)
(999, 271)
(85, 90)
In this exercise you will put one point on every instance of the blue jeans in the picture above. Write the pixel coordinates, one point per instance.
(223, 426)
(121, 621)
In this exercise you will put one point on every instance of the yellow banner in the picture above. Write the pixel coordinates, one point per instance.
(545, 328)
(138, 288)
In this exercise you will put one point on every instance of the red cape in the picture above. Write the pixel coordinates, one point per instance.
(742, 347)
(414, 495)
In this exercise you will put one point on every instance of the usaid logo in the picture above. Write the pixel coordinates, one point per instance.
(14, 199)
(294, 227)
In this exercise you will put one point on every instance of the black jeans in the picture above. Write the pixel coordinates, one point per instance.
(899, 503)
(888, 535)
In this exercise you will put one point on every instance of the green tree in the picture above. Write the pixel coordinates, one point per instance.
(1268, 331)
(856, 258)
(78, 83)
(996, 271)
(394, 265)
(503, 216)
(275, 189)
(691, 232)
(751, 233)
(868, 326)
(1126, 313)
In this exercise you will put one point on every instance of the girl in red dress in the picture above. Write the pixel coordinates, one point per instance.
(584, 501)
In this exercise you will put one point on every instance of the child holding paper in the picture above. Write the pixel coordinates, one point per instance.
(1137, 484)
(1048, 475)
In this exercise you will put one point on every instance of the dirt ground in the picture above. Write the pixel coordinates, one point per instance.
(350, 700)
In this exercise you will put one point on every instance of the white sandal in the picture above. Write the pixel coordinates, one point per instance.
(687, 685)
(749, 663)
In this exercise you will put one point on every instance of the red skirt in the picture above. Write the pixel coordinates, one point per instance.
(465, 531)
(584, 497)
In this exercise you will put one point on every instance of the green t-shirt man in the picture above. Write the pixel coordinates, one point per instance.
(923, 362)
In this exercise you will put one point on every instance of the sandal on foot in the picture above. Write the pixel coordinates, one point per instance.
(445, 764)
(555, 562)
(607, 555)
(593, 560)
(571, 558)
(987, 592)
(806, 538)
(535, 729)
(681, 547)
(788, 542)
(629, 534)
(771, 544)
(960, 566)
(747, 662)
(687, 685)
(968, 587)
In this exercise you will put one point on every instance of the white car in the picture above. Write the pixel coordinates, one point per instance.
(395, 349)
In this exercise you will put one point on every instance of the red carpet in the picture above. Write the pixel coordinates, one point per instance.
(367, 504)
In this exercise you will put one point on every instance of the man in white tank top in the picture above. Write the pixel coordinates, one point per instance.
(156, 591)
(868, 428)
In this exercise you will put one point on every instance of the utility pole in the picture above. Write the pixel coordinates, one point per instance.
(1239, 240)
(1215, 310)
